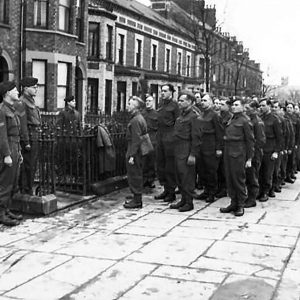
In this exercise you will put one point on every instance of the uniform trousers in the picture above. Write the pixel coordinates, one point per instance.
(9, 175)
(266, 173)
(135, 174)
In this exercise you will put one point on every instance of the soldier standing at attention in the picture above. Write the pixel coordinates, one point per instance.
(150, 116)
(239, 148)
(31, 120)
(136, 128)
(252, 173)
(185, 152)
(10, 151)
(210, 132)
(271, 148)
(168, 112)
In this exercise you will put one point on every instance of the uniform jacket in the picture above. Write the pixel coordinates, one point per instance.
(239, 137)
(9, 128)
(184, 134)
(291, 130)
(30, 118)
(258, 130)
(151, 118)
(136, 127)
(167, 114)
(208, 131)
(272, 132)
(69, 117)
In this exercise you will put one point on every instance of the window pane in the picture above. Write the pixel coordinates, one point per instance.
(40, 97)
(64, 2)
(39, 70)
(61, 95)
(62, 73)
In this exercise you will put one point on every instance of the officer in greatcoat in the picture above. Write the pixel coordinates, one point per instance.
(10, 152)
(239, 149)
(69, 117)
(168, 112)
(185, 151)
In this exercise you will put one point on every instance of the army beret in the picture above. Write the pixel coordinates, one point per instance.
(188, 93)
(6, 86)
(69, 98)
(138, 100)
(29, 81)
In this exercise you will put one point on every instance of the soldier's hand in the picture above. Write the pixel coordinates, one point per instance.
(274, 155)
(131, 160)
(248, 164)
(219, 153)
(289, 152)
(8, 161)
(28, 147)
(296, 146)
(191, 160)
(21, 159)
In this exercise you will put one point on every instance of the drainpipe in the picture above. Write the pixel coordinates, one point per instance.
(21, 41)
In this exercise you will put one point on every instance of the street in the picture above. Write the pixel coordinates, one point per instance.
(102, 251)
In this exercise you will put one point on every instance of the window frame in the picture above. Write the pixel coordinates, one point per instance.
(4, 18)
(67, 85)
(96, 43)
(67, 16)
(42, 82)
(37, 14)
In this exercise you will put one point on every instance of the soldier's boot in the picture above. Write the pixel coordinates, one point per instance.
(202, 196)
(221, 194)
(177, 204)
(239, 211)
(170, 197)
(11, 215)
(228, 209)
(210, 198)
(263, 198)
(136, 202)
(163, 195)
(6, 220)
(250, 202)
(187, 206)
(271, 193)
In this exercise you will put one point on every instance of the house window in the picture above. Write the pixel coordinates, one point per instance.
(109, 43)
(64, 15)
(93, 49)
(138, 53)
(4, 12)
(40, 13)
(168, 59)
(63, 83)
(108, 96)
(188, 66)
(179, 55)
(134, 88)
(121, 49)
(39, 71)
(154, 57)
(80, 20)
(93, 85)
(201, 67)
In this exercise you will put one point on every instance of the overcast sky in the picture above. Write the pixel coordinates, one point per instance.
(269, 28)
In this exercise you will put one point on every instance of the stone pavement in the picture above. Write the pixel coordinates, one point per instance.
(102, 251)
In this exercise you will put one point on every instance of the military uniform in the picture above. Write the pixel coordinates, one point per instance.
(136, 128)
(167, 114)
(209, 132)
(149, 172)
(239, 147)
(9, 146)
(69, 118)
(184, 146)
(272, 145)
(31, 120)
(252, 174)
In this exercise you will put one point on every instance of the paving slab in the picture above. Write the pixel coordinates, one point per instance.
(190, 274)
(99, 245)
(172, 251)
(268, 239)
(63, 279)
(165, 288)
(115, 281)
(23, 266)
(271, 257)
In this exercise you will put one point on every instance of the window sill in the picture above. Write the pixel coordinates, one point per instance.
(3, 25)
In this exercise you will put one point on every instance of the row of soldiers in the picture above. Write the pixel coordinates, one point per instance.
(246, 149)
